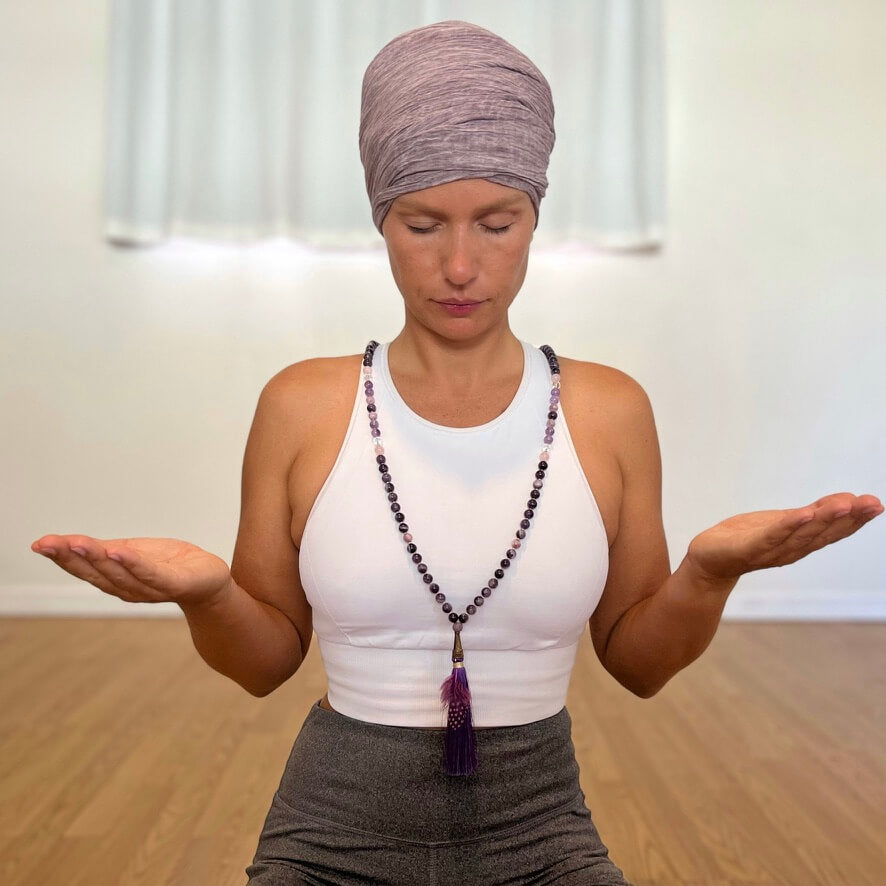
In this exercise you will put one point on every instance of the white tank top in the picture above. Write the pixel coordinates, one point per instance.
(385, 642)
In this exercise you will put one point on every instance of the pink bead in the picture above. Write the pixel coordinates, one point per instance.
(555, 378)
(367, 370)
(515, 543)
(407, 537)
(370, 399)
(379, 450)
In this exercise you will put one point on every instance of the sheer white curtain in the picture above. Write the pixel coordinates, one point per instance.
(237, 120)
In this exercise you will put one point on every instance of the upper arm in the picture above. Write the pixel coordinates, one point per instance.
(265, 560)
(638, 557)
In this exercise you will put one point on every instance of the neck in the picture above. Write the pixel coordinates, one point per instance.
(453, 365)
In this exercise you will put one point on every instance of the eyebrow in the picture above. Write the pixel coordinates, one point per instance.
(418, 206)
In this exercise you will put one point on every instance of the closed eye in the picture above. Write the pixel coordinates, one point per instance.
(501, 230)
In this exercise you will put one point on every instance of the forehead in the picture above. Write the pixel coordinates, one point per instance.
(465, 195)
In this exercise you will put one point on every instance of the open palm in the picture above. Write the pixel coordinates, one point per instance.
(140, 570)
(761, 539)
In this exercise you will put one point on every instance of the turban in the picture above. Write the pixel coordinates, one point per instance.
(451, 101)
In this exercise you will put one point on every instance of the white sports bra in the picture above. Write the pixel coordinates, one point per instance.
(385, 642)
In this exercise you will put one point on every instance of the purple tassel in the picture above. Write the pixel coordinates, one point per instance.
(460, 751)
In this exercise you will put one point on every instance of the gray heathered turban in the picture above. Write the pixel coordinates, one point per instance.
(450, 101)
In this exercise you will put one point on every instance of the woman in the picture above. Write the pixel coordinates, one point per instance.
(408, 772)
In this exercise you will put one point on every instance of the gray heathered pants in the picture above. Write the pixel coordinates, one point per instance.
(364, 803)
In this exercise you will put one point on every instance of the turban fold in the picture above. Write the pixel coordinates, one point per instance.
(450, 101)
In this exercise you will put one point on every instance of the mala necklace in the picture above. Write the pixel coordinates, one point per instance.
(460, 754)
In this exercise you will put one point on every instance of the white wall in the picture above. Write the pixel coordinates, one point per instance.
(129, 378)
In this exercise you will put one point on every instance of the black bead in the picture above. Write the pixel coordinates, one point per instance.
(434, 587)
(532, 503)
(403, 527)
(395, 506)
(411, 547)
(440, 598)
(382, 468)
(416, 558)
(543, 465)
(486, 592)
(387, 479)
(463, 617)
(539, 475)
(511, 553)
(470, 609)
(453, 617)
(422, 568)
(392, 496)
(536, 493)
(521, 533)
(499, 573)
(528, 514)
(399, 516)
(427, 578)
(370, 407)
(446, 607)
(505, 563)
(493, 582)
(524, 524)
(389, 487)
(380, 459)
(478, 600)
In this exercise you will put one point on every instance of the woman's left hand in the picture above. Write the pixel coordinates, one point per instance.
(761, 539)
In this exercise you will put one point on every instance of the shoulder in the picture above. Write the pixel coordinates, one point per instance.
(309, 376)
(602, 388)
(311, 387)
(298, 397)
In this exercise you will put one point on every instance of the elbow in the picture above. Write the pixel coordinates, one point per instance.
(643, 689)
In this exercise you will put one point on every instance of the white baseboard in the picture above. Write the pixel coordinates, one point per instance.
(749, 604)
(759, 604)
(81, 601)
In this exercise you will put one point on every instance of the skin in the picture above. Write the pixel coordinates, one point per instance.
(462, 240)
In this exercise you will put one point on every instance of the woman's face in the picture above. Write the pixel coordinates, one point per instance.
(463, 242)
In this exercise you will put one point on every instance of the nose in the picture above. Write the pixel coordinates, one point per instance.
(460, 260)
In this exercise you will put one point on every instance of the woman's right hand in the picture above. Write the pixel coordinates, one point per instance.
(141, 570)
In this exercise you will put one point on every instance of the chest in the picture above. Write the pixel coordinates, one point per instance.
(587, 425)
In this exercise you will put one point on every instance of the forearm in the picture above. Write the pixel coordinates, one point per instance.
(662, 634)
(245, 639)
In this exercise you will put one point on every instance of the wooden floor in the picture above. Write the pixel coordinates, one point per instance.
(125, 760)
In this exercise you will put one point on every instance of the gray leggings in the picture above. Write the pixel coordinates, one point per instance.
(364, 803)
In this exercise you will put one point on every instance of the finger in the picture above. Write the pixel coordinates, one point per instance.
(69, 557)
(147, 572)
(117, 575)
(831, 523)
